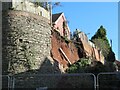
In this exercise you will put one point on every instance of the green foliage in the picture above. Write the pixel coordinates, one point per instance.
(72, 69)
(79, 66)
(101, 33)
(111, 56)
(84, 62)
(102, 42)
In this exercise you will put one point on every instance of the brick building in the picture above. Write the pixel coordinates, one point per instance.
(60, 24)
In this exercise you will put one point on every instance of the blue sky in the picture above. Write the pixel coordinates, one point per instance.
(88, 16)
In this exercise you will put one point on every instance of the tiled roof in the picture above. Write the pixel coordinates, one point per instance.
(55, 16)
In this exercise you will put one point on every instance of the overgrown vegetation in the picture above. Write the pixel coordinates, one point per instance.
(88, 66)
(94, 66)
(79, 66)
(101, 41)
(85, 65)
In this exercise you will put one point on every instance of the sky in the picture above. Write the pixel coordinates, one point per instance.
(89, 16)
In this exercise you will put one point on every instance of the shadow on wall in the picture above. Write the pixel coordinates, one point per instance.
(39, 77)
(36, 78)
(5, 58)
(46, 76)
(47, 67)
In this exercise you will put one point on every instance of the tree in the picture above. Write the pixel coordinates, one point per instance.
(102, 42)
(101, 33)
(102, 46)
(111, 56)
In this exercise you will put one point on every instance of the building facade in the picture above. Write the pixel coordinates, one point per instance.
(60, 24)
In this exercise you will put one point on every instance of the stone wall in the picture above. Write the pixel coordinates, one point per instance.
(26, 41)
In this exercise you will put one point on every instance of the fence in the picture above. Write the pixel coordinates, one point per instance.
(7, 82)
(81, 81)
(108, 81)
(55, 81)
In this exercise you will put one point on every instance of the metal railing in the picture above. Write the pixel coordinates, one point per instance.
(54, 81)
(6, 82)
(109, 80)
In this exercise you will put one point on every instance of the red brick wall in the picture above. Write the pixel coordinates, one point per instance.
(69, 49)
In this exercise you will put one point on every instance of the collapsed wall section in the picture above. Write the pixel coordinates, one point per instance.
(62, 52)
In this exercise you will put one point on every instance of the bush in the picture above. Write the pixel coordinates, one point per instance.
(79, 66)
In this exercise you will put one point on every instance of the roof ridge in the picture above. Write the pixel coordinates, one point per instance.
(56, 16)
(58, 13)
